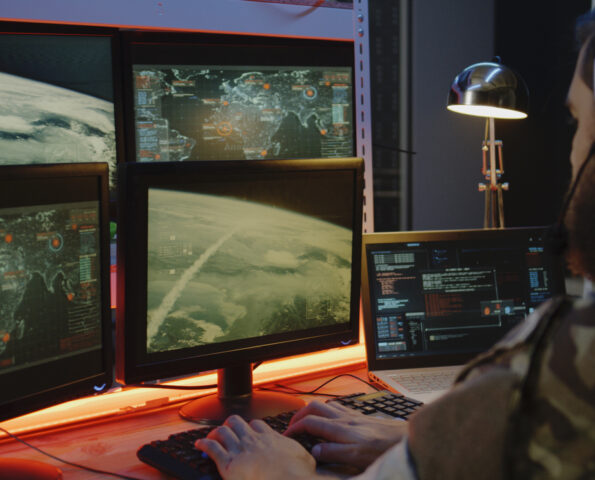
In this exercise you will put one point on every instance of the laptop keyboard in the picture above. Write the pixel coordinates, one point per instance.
(176, 456)
(425, 382)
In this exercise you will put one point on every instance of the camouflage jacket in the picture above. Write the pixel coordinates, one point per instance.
(525, 409)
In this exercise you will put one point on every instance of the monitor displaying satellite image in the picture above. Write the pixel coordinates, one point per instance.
(224, 268)
(56, 100)
(234, 113)
(50, 298)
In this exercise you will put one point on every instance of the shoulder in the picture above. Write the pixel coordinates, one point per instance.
(553, 431)
(515, 350)
(569, 359)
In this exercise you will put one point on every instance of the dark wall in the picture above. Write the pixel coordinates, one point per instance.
(538, 43)
(389, 56)
(447, 36)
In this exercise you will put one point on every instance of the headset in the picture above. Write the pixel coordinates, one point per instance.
(557, 237)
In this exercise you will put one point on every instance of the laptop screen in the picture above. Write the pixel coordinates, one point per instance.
(443, 296)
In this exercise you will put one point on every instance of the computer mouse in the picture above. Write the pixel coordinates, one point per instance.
(25, 469)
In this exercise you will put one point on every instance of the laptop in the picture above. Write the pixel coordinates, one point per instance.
(432, 300)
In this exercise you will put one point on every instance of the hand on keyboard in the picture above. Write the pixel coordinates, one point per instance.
(348, 434)
(255, 450)
(239, 442)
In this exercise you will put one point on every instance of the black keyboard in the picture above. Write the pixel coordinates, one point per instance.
(177, 456)
(381, 404)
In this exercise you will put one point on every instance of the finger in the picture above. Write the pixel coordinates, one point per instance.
(335, 453)
(260, 426)
(226, 437)
(325, 428)
(238, 425)
(213, 449)
(315, 408)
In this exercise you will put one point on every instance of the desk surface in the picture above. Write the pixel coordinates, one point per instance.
(111, 444)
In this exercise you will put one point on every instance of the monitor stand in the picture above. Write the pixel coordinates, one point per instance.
(235, 395)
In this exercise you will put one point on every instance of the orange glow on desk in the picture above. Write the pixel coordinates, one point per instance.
(125, 400)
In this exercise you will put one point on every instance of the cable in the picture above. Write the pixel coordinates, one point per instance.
(174, 387)
(315, 391)
(185, 387)
(393, 148)
(575, 184)
(292, 391)
(557, 237)
(67, 462)
(279, 386)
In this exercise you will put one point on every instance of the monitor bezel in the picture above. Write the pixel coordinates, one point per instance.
(132, 365)
(88, 384)
(148, 47)
(371, 241)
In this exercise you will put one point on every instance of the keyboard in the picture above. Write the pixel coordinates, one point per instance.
(176, 456)
(425, 382)
(381, 404)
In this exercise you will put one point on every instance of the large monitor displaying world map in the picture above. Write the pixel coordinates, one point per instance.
(195, 96)
(206, 112)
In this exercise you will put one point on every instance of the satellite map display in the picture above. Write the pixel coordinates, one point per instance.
(233, 113)
(56, 100)
(222, 269)
(49, 287)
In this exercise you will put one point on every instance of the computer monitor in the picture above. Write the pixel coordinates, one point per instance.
(60, 94)
(233, 97)
(224, 264)
(441, 297)
(55, 322)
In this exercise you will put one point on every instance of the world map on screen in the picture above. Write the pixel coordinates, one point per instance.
(49, 281)
(253, 113)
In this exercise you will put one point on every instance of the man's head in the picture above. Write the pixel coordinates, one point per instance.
(581, 101)
(580, 219)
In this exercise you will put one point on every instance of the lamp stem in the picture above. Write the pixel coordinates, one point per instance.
(493, 176)
(494, 212)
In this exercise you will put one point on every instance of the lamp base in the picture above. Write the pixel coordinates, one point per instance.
(493, 214)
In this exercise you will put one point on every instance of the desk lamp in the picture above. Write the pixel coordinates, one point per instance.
(491, 90)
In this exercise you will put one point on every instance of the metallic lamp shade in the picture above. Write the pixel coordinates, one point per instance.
(489, 90)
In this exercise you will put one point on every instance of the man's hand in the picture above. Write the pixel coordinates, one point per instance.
(352, 438)
(241, 450)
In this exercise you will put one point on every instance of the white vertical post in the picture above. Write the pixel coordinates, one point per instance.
(363, 117)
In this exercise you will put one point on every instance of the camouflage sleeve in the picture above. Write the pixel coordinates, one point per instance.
(461, 435)
(395, 464)
(525, 409)
(554, 436)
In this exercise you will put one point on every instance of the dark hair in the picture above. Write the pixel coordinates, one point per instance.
(585, 35)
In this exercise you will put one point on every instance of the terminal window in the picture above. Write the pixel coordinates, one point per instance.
(435, 297)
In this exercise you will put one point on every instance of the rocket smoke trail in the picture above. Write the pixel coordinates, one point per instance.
(157, 317)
